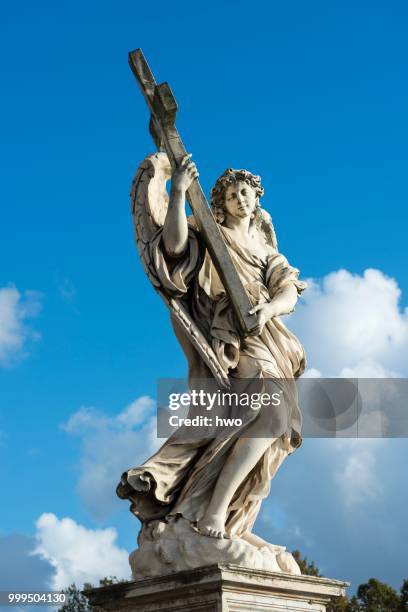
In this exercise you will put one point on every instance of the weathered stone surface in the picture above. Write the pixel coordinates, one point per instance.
(173, 546)
(220, 588)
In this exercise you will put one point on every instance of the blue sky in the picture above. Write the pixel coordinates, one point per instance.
(313, 97)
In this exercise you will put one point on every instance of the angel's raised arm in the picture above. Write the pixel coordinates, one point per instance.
(175, 228)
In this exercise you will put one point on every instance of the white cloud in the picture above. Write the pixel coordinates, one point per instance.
(15, 309)
(368, 369)
(312, 373)
(357, 472)
(353, 324)
(110, 445)
(78, 554)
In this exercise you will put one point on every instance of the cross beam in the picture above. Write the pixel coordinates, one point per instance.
(163, 108)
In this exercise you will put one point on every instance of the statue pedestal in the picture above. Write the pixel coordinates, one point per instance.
(220, 588)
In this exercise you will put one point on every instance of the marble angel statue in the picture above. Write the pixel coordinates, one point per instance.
(198, 501)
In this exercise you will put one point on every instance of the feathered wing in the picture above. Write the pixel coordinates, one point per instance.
(266, 227)
(149, 200)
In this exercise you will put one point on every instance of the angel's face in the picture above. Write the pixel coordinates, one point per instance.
(240, 199)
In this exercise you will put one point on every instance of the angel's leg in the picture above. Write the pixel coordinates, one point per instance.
(244, 456)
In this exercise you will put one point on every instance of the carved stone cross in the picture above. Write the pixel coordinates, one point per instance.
(163, 108)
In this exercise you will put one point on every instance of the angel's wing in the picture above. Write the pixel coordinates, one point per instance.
(266, 227)
(149, 200)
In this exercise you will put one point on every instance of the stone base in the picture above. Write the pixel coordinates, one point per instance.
(220, 588)
(175, 545)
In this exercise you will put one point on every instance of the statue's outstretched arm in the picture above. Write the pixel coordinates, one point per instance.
(282, 303)
(175, 228)
(284, 288)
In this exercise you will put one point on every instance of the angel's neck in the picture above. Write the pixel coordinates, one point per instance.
(239, 225)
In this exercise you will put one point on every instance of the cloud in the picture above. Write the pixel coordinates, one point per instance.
(357, 473)
(312, 373)
(15, 309)
(368, 369)
(109, 446)
(348, 497)
(353, 325)
(78, 554)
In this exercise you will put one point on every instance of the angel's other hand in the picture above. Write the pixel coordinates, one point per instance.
(263, 313)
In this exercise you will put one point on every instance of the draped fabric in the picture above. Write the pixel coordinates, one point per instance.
(180, 478)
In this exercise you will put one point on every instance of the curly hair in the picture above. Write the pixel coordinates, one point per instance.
(230, 177)
(260, 217)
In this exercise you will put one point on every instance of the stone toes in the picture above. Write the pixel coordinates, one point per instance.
(213, 533)
(210, 531)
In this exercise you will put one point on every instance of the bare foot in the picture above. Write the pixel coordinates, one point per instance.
(212, 525)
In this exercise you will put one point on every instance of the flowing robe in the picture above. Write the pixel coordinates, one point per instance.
(180, 478)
